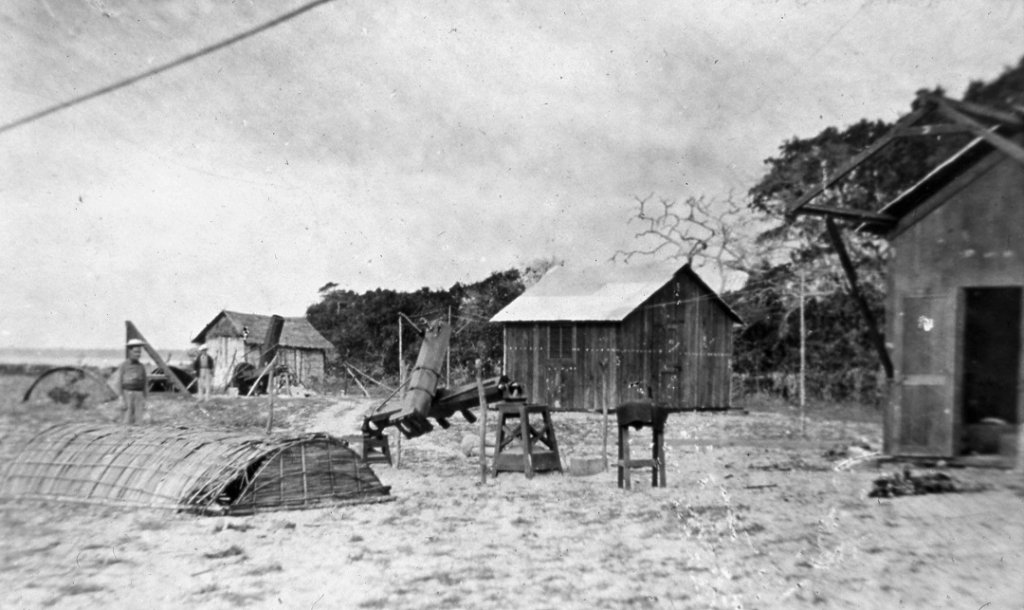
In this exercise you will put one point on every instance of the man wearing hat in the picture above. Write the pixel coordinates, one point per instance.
(204, 371)
(131, 380)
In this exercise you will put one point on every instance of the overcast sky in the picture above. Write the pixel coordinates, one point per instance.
(402, 145)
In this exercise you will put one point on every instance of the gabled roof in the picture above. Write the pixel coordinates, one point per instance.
(910, 199)
(606, 293)
(297, 332)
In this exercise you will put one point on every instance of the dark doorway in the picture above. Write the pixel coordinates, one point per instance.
(991, 358)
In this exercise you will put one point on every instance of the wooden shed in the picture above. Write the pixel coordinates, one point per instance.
(235, 339)
(593, 338)
(956, 291)
(953, 336)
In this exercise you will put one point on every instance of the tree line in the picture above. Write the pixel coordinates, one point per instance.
(364, 327)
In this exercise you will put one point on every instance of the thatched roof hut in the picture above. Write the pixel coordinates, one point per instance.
(235, 339)
(175, 468)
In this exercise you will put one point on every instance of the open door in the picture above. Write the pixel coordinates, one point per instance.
(925, 417)
(990, 367)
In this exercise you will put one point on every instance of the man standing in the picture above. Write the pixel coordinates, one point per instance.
(204, 371)
(131, 380)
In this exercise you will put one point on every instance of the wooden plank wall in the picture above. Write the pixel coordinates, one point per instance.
(966, 235)
(307, 365)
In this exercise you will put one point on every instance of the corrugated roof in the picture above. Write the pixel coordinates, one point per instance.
(297, 331)
(606, 293)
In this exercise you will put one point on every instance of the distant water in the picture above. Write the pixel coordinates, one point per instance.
(78, 357)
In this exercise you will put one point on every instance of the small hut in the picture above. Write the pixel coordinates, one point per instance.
(235, 341)
(199, 471)
(593, 338)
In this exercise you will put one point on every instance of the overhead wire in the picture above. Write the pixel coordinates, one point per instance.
(121, 84)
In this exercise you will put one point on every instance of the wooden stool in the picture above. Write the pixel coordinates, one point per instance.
(540, 449)
(376, 449)
(642, 415)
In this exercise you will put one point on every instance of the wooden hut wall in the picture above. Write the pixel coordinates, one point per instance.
(596, 373)
(520, 357)
(306, 364)
(580, 378)
(226, 352)
(965, 235)
(679, 343)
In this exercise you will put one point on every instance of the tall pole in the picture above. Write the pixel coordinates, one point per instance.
(448, 355)
(483, 420)
(803, 360)
(401, 384)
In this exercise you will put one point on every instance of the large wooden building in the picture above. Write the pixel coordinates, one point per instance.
(954, 333)
(235, 339)
(593, 338)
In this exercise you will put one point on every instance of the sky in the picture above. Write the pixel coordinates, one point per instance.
(401, 145)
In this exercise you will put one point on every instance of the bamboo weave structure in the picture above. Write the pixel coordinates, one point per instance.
(182, 469)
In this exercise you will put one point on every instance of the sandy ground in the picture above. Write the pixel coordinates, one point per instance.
(766, 524)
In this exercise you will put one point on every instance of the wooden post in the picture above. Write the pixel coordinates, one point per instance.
(133, 333)
(266, 369)
(604, 431)
(353, 368)
(803, 360)
(401, 384)
(352, 374)
(483, 420)
(448, 356)
(270, 415)
(851, 276)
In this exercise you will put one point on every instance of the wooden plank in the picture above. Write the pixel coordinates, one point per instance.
(848, 214)
(930, 130)
(1009, 147)
(483, 420)
(869, 317)
(978, 110)
(853, 163)
(133, 332)
(535, 369)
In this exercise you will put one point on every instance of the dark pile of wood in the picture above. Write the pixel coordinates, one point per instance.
(907, 483)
